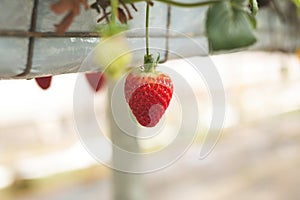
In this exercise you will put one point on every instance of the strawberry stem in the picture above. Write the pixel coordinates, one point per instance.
(182, 4)
(147, 27)
(114, 11)
(149, 63)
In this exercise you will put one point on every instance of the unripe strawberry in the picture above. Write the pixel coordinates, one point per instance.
(113, 55)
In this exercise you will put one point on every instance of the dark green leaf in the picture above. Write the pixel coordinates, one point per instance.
(229, 26)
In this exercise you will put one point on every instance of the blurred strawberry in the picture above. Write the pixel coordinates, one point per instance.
(113, 55)
(96, 80)
(44, 82)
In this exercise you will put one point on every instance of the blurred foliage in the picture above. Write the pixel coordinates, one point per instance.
(230, 26)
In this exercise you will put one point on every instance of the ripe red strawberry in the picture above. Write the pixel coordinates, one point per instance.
(44, 82)
(96, 80)
(148, 95)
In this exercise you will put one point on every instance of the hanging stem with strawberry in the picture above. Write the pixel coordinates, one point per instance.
(148, 91)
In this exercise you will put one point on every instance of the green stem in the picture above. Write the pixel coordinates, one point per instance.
(149, 64)
(147, 28)
(114, 10)
(181, 4)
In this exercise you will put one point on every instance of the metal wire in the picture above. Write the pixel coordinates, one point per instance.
(22, 34)
(83, 34)
(167, 35)
(31, 39)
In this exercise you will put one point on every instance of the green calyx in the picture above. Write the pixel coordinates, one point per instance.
(149, 63)
(110, 29)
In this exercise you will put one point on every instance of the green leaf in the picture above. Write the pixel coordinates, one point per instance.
(228, 26)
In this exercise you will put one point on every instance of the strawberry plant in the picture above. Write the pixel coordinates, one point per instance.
(229, 25)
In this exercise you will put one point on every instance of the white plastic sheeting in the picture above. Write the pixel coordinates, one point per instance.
(54, 54)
